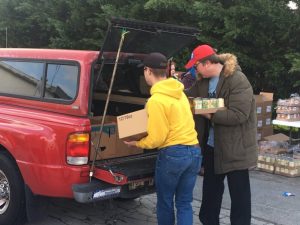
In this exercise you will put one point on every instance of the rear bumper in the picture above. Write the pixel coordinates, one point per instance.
(98, 190)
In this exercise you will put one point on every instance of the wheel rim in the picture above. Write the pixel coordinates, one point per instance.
(4, 193)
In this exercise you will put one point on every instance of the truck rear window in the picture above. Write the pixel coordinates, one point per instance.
(61, 82)
(39, 79)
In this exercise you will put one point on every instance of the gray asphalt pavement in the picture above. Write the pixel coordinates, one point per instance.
(269, 207)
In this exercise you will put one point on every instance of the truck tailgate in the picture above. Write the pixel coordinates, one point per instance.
(126, 177)
(133, 167)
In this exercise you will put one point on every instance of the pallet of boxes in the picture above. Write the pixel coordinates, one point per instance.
(276, 155)
(271, 148)
(289, 164)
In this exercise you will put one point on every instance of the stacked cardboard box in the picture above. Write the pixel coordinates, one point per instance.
(288, 109)
(287, 166)
(275, 156)
(266, 162)
(264, 114)
(110, 143)
(279, 164)
(268, 151)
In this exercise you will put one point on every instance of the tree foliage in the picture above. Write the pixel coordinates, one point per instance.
(264, 34)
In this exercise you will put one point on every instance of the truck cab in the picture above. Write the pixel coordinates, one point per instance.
(52, 99)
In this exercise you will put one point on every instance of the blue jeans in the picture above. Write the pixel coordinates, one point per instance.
(175, 175)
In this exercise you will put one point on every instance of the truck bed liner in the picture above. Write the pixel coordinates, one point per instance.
(134, 167)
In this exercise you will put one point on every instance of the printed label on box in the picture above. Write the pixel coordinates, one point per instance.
(269, 108)
(258, 110)
(258, 136)
(268, 121)
(259, 123)
(125, 117)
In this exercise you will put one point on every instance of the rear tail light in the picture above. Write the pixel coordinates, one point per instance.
(78, 145)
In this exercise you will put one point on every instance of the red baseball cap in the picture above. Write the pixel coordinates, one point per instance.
(201, 52)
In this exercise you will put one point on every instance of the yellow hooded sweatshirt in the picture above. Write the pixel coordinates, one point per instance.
(170, 120)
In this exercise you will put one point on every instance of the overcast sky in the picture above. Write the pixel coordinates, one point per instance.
(292, 5)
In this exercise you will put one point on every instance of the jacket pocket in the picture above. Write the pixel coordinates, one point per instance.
(230, 145)
(249, 130)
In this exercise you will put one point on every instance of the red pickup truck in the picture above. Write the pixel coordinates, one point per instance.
(47, 100)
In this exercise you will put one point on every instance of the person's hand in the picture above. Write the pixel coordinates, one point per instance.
(131, 143)
(207, 115)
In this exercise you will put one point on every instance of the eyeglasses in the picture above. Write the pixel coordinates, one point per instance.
(196, 64)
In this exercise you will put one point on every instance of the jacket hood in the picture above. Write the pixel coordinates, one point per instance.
(230, 63)
(169, 87)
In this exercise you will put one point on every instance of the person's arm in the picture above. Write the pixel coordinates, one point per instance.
(239, 104)
(158, 126)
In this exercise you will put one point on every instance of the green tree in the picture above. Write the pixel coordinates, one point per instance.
(264, 34)
(26, 28)
(259, 32)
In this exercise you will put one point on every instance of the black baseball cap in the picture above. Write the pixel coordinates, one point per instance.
(155, 60)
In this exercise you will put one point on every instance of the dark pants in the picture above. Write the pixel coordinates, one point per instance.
(213, 189)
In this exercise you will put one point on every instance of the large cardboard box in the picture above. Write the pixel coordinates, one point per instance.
(264, 120)
(259, 104)
(108, 139)
(110, 143)
(268, 101)
(133, 126)
(264, 103)
(266, 131)
(263, 132)
(259, 121)
(259, 134)
(267, 119)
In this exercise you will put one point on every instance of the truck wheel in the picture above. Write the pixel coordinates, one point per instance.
(12, 197)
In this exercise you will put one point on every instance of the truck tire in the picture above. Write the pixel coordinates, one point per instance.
(12, 195)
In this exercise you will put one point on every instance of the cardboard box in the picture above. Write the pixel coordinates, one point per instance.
(205, 111)
(133, 126)
(108, 139)
(110, 144)
(258, 134)
(266, 163)
(268, 101)
(264, 120)
(259, 104)
(267, 119)
(266, 131)
(259, 121)
(277, 137)
(264, 103)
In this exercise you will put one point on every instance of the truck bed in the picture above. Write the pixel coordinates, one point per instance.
(133, 167)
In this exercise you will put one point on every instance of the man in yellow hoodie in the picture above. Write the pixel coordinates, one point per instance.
(171, 129)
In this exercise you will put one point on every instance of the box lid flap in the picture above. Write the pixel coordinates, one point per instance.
(277, 137)
(267, 96)
(259, 99)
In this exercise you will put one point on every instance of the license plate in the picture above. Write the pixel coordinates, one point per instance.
(140, 183)
(106, 192)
